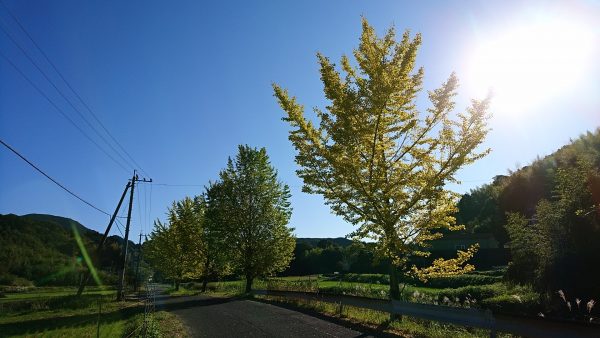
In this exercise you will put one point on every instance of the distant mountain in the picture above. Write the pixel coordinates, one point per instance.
(339, 241)
(42, 250)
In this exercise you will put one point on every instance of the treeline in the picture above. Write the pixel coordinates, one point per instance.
(548, 214)
(328, 256)
(237, 226)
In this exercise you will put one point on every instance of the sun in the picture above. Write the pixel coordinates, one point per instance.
(531, 63)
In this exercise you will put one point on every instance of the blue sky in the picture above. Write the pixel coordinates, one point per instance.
(181, 84)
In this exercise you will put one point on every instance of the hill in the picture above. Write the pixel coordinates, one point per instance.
(548, 214)
(42, 250)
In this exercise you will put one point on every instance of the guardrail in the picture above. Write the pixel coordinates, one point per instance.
(485, 319)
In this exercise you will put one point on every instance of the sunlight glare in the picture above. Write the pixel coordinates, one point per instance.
(532, 63)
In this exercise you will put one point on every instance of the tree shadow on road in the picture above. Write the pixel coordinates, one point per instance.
(367, 331)
(178, 303)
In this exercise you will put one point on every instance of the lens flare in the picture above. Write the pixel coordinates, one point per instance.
(86, 256)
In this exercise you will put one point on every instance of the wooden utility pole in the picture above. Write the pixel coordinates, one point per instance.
(137, 267)
(86, 278)
(121, 287)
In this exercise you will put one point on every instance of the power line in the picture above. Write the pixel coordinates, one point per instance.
(145, 224)
(51, 179)
(138, 201)
(5, 31)
(150, 224)
(14, 17)
(119, 225)
(60, 110)
(178, 185)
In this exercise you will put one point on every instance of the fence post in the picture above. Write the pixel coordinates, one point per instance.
(99, 315)
(492, 323)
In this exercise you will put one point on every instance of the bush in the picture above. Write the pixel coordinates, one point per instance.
(461, 281)
(371, 278)
(474, 278)
(357, 290)
(523, 304)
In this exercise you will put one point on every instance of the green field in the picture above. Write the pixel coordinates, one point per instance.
(56, 312)
(49, 292)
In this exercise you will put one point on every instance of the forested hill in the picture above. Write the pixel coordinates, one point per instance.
(548, 213)
(42, 250)
(484, 209)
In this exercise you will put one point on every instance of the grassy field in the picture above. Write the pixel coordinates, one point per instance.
(497, 295)
(57, 313)
(46, 293)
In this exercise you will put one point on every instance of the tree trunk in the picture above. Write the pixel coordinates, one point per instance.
(394, 290)
(177, 285)
(206, 273)
(204, 283)
(249, 281)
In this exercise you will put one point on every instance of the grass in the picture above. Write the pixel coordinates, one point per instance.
(27, 295)
(183, 291)
(69, 318)
(159, 324)
(379, 321)
(51, 313)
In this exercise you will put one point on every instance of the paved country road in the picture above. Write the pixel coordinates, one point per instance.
(228, 317)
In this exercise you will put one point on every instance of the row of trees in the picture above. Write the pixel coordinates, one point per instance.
(238, 225)
(326, 257)
(379, 163)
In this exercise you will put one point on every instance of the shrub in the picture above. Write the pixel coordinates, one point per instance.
(461, 281)
(516, 303)
(366, 278)
(474, 278)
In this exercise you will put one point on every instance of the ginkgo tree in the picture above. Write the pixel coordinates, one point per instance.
(177, 248)
(250, 209)
(378, 161)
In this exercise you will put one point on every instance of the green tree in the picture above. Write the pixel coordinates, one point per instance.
(558, 246)
(176, 248)
(480, 210)
(214, 250)
(252, 209)
(379, 162)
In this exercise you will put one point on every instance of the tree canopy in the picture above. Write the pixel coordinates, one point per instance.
(176, 248)
(378, 161)
(252, 209)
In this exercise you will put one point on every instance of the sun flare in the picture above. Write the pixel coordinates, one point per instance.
(526, 65)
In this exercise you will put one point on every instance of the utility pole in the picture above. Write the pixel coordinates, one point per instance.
(137, 267)
(121, 287)
(86, 278)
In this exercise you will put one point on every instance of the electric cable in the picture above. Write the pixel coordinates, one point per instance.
(39, 90)
(62, 94)
(51, 179)
(15, 18)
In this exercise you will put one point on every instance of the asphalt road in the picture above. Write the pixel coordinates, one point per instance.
(221, 317)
